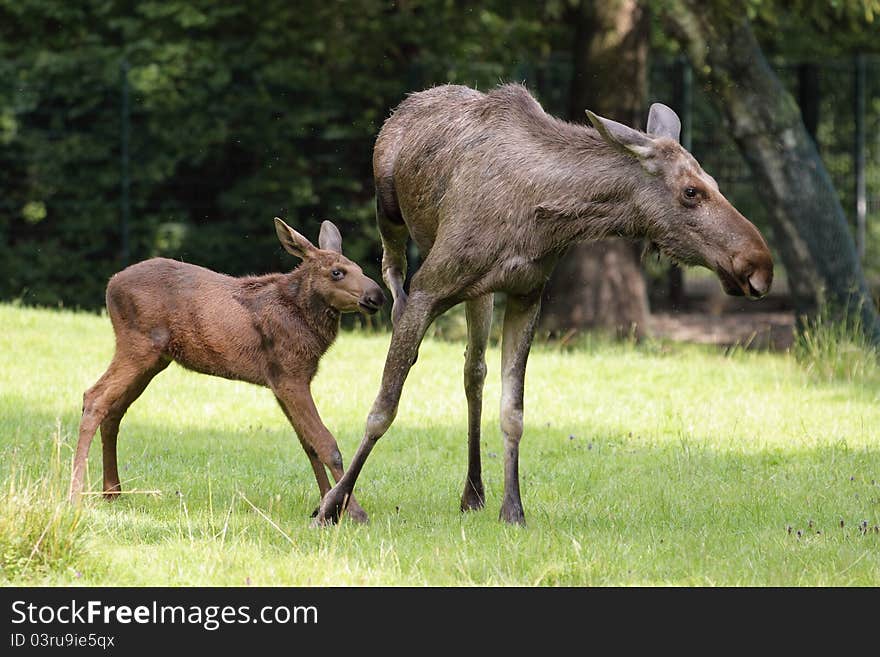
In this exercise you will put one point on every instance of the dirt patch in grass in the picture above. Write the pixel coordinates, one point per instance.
(773, 330)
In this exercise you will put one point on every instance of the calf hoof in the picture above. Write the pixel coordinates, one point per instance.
(473, 498)
(112, 492)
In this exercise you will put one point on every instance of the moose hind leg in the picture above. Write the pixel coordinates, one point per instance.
(109, 432)
(92, 416)
(97, 403)
(394, 234)
(110, 428)
(137, 360)
(520, 318)
(479, 319)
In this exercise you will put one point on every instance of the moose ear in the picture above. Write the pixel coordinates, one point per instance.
(663, 122)
(622, 137)
(330, 238)
(293, 242)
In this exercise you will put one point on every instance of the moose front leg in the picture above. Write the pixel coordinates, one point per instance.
(298, 405)
(402, 353)
(520, 319)
(479, 318)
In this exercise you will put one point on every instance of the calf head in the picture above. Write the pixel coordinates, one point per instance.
(336, 279)
(681, 210)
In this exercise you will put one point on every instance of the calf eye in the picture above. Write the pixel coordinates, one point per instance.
(690, 192)
(337, 274)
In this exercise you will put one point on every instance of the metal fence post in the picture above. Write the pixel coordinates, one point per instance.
(684, 91)
(124, 163)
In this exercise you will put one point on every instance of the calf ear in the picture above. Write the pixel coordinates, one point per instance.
(622, 137)
(330, 238)
(293, 242)
(663, 122)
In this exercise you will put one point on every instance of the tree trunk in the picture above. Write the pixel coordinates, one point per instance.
(809, 227)
(600, 284)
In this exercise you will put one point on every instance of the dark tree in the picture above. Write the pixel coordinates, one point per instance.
(600, 284)
(809, 228)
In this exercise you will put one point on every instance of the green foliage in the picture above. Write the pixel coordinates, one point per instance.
(237, 112)
(813, 30)
(40, 533)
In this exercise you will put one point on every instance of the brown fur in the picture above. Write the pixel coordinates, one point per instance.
(493, 190)
(268, 330)
(470, 167)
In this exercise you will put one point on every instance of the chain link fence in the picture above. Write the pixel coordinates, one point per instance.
(85, 189)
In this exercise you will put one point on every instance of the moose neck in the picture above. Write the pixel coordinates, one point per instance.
(589, 187)
(321, 318)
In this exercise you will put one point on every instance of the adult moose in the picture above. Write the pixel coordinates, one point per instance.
(269, 330)
(493, 190)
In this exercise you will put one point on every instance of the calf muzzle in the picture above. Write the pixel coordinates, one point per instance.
(371, 300)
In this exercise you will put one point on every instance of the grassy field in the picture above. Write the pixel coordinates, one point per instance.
(641, 465)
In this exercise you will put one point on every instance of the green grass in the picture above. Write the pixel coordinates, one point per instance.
(836, 349)
(641, 465)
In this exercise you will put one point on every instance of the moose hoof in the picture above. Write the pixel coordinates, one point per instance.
(322, 520)
(512, 513)
(354, 511)
(330, 509)
(473, 498)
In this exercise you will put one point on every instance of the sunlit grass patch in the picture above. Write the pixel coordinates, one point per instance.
(641, 464)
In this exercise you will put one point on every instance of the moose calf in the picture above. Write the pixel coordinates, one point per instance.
(269, 330)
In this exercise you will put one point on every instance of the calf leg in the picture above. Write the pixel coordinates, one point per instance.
(110, 428)
(126, 377)
(317, 441)
(109, 433)
(405, 340)
(479, 318)
(520, 318)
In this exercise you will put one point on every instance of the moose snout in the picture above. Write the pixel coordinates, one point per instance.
(759, 282)
(754, 274)
(372, 299)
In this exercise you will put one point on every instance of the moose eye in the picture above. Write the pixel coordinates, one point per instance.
(690, 197)
(337, 274)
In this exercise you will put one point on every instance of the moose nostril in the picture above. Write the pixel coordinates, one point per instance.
(759, 285)
(753, 292)
(374, 298)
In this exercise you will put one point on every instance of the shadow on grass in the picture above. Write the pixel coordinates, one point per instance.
(600, 481)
